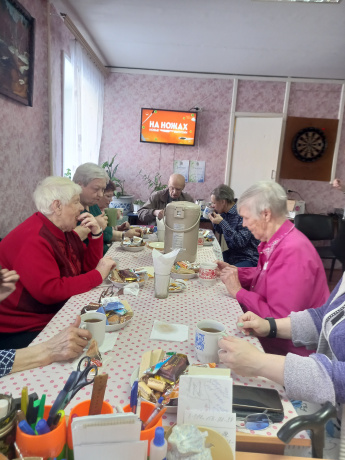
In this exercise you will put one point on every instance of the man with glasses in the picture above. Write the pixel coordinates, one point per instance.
(158, 201)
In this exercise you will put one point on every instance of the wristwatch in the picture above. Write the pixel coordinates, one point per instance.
(273, 328)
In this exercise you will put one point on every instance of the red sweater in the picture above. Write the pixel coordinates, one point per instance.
(52, 265)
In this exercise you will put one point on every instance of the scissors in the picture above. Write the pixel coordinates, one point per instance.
(84, 375)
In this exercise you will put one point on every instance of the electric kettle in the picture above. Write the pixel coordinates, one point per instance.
(182, 220)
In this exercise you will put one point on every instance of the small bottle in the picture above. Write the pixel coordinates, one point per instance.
(158, 446)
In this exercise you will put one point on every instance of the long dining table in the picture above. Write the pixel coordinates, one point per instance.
(195, 303)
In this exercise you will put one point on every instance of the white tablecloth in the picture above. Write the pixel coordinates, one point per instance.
(197, 302)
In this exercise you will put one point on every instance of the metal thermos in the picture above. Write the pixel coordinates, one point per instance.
(182, 220)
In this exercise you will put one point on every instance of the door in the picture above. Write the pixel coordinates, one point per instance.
(255, 152)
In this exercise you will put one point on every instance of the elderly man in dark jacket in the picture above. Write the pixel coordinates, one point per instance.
(157, 202)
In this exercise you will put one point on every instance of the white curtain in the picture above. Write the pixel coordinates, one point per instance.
(83, 111)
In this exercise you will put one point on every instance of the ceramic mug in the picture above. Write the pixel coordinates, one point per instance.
(208, 210)
(207, 334)
(95, 323)
(207, 273)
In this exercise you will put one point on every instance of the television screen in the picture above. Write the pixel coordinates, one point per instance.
(167, 127)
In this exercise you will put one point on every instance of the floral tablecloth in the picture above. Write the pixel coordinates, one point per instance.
(197, 302)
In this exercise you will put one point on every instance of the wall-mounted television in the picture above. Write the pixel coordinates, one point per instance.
(167, 127)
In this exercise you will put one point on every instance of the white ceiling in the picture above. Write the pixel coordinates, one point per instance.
(241, 37)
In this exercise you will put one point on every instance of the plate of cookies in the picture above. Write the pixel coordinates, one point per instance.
(117, 318)
(121, 278)
(184, 270)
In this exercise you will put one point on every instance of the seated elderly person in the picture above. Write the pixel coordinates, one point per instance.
(242, 246)
(52, 262)
(67, 344)
(104, 203)
(289, 276)
(317, 378)
(93, 181)
(158, 201)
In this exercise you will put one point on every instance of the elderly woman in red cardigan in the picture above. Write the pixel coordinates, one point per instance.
(51, 260)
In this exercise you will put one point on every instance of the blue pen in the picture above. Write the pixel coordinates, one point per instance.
(134, 397)
(26, 428)
(42, 427)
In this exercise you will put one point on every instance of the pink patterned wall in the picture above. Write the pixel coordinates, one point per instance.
(24, 131)
(24, 134)
(260, 96)
(125, 94)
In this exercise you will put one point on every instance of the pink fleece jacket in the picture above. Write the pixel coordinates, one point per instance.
(289, 277)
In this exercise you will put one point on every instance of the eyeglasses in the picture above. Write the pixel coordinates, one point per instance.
(257, 421)
(176, 189)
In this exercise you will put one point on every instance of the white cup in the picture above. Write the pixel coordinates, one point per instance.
(207, 273)
(208, 210)
(95, 323)
(207, 334)
(162, 283)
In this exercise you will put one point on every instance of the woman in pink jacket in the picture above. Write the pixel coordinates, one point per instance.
(289, 275)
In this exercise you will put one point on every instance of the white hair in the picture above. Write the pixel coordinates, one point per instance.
(264, 195)
(87, 172)
(54, 188)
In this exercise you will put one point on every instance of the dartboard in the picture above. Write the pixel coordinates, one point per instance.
(309, 144)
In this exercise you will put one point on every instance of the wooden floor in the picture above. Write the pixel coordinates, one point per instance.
(337, 274)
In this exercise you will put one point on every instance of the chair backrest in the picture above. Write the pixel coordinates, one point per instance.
(338, 244)
(315, 226)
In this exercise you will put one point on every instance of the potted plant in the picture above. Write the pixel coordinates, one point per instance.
(137, 204)
(155, 184)
(121, 199)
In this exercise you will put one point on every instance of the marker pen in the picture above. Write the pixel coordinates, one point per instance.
(26, 428)
(42, 427)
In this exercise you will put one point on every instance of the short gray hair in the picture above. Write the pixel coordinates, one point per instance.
(54, 188)
(264, 195)
(223, 192)
(87, 172)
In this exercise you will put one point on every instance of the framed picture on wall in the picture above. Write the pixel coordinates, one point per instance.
(17, 34)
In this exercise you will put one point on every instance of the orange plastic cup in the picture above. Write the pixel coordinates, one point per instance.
(145, 411)
(81, 410)
(45, 445)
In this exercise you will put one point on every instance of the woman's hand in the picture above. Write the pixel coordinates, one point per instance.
(215, 218)
(105, 265)
(102, 220)
(338, 185)
(221, 265)
(67, 344)
(124, 226)
(229, 276)
(252, 324)
(133, 232)
(87, 220)
(240, 356)
(8, 281)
